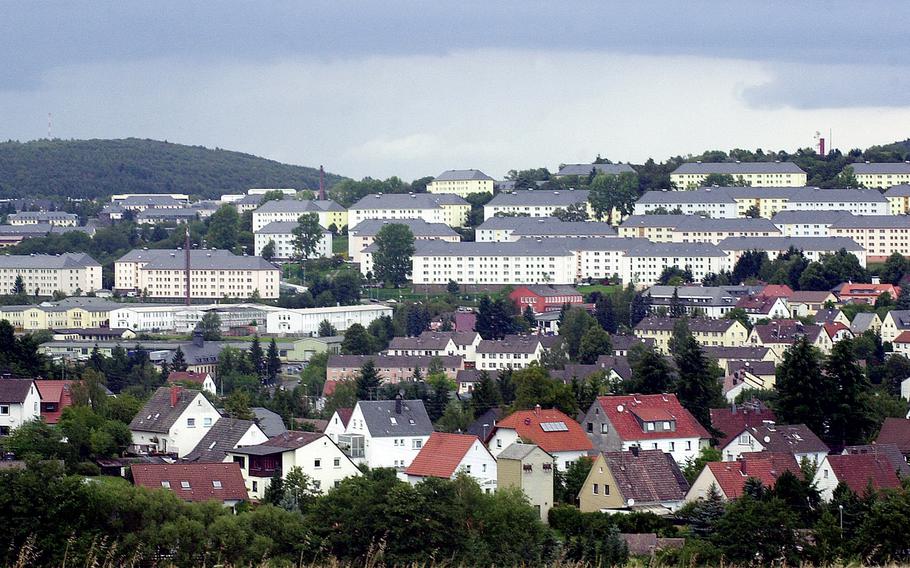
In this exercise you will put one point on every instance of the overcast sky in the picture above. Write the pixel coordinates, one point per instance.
(412, 88)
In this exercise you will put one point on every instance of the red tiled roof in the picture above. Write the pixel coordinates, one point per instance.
(895, 431)
(731, 421)
(777, 291)
(832, 328)
(651, 476)
(527, 424)
(858, 470)
(345, 414)
(622, 412)
(867, 290)
(54, 391)
(731, 476)
(441, 455)
(904, 337)
(201, 480)
(780, 462)
(186, 376)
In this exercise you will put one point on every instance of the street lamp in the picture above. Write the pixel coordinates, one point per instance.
(840, 508)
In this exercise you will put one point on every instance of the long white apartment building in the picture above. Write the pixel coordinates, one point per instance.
(306, 321)
(179, 318)
(281, 234)
(881, 175)
(813, 248)
(290, 211)
(880, 235)
(807, 223)
(732, 202)
(213, 274)
(535, 202)
(43, 274)
(588, 169)
(461, 182)
(362, 236)
(55, 218)
(756, 174)
(644, 264)
(506, 229)
(445, 208)
(694, 228)
(898, 198)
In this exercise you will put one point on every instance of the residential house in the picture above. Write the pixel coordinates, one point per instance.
(724, 355)
(320, 459)
(338, 423)
(901, 344)
(203, 380)
(795, 439)
(712, 302)
(708, 332)
(633, 480)
(225, 435)
(756, 174)
(72, 273)
(859, 293)
(729, 478)
(483, 425)
(290, 210)
(894, 323)
(764, 307)
(808, 302)
(55, 396)
(866, 321)
(271, 423)
(173, 421)
(535, 203)
(391, 368)
(889, 451)
(807, 223)
(511, 352)
(895, 431)
(856, 471)
(623, 344)
(20, 402)
(437, 344)
(545, 297)
(284, 242)
(881, 175)
(362, 236)
(737, 417)
(529, 468)
(831, 315)
(386, 433)
(779, 335)
(899, 199)
(742, 375)
(646, 421)
(555, 433)
(431, 207)
(880, 235)
(448, 455)
(194, 482)
(837, 331)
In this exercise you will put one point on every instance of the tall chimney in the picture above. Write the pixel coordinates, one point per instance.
(175, 393)
(321, 184)
(398, 403)
(187, 249)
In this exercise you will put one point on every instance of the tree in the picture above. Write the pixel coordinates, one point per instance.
(307, 236)
(326, 329)
(847, 178)
(178, 363)
(896, 266)
(749, 265)
(237, 405)
(529, 316)
(210, 326)
(609, 193)
(594, 343)
(273, 362)
(452, 288)
(577, 212)
(368, 381)
(692, 467)
(848, 392)
(486, 394)
(257, 357)
(573, 328)
(697, 384)
(638, 309)
(760, 532)
(268, 251)
(455, 418)
(799, 399)
(495, 319)
(651, 373)
(357, 341)
(394, 244)
(534, 386)
(19, 286)
(677, 309)
(605, 314)
(223, 228)
(569, 484)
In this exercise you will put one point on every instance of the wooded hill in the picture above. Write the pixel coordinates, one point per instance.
(95, 169)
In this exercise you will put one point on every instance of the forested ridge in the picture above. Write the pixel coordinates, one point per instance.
(93, 169)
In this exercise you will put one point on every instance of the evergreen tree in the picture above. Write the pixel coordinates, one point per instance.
(903, 299)
(638, 310)
(801, 388)
(273, 362)
(274, 493)
(573, 328)
(326, 329)
(357, 341)
(848, 396)
(19, 286)
(605, 314)
(697, 384)
(394, 245)
(677, 310)
(594, 343)
(528, 314)
(257, 357)
(486, 394)
(651, 373)
(506, 386)
(179, 361)
(368, 381)
(455, 418)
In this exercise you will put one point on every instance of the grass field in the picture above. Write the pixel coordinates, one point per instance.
(340, 245)
(612, 289)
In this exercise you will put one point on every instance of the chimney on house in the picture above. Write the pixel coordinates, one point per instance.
(175, 394)
(198, 339)
(537, 409)
(398, 403)
(634, 450)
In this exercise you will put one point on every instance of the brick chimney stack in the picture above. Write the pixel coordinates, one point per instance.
(175, 394)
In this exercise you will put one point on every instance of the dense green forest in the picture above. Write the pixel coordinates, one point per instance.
(98, 168)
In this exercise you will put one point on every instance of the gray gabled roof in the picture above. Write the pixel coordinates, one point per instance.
(270, 422)
(461, 175)
(200, 259)
(676, 250)
(14, 391)
(280, 228)
(872, 222)
(815, 194)
(407, 201)
(66, 260)
(568, 229)
(790, 217)
(223, 435)
(862, 321)
(880, 168)
(158, 415)
(902, 190)
(707, 195)
(411, 421)
(521, 247)
(537, 197)
(43, 215)
(738, 168)
(585, 169)
(825, 244)
(151, 200)
(418, 227)
(519, 451)
(506, 223)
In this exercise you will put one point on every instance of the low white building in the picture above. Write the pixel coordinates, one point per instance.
(644, 264)
(281, 234)
(20, 402)
(173, 421)
(512, 352)
(797, 440)
(317, 456)
(306, 321)
(386, 433)
(43, 274)
(447, 455)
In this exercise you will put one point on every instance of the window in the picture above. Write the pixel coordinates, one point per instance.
(241, 460)
(483, 468)
(606, 489)
(207, 422)
(596, 489)
(216, 484)
(547, 467)
(498, 443)
(336, 462)
(590, 427)
(166, 484)
(604, 428)
(467, 469)
(184, 484)
(317, 463)
(568, 463)
(527, 467)
(4, 410)
(744, 440)
(190, 422)
(255, 486)
(417, 443)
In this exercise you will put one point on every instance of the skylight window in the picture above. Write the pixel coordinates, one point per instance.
(216, 484)
(166, 484)
(184, 484)
(554, 427)
(393, 420)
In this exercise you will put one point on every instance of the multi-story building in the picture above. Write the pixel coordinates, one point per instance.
(461, 183)
(306, 321)
(511, 352)
(70, 313)
(55, 218)
(708, 332)
(535, 203)
(290, 210)
(157, 215)
(20, 402)
(361, 236)
(437, 344)
(386, 433)
(433, 208)
(213, 274)
(595, 169)
(545, 298)
(43, 274)
(694, 228)
(281, 234)
(899, 199)
(881, 175)
(507, 229)
(756, 174)
(529, 468)
(807, 223)
(708, 301)
(141, 202)
(644, 264)
(812, 247)
(880, 235)
(391, 368)
(172, 421)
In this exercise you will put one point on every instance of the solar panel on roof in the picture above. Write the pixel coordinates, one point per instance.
(554, 427)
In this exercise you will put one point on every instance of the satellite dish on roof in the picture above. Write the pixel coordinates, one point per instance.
(767, 439)
(630, 502)
(619, 408)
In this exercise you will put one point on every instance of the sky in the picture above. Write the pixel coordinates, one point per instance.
(412, 88)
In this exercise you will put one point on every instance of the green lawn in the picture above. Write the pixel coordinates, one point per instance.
(340, 245)
(606, 290)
